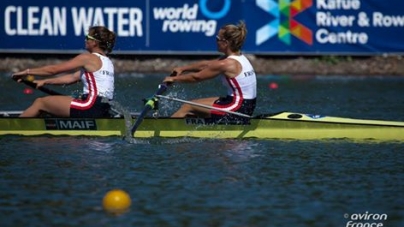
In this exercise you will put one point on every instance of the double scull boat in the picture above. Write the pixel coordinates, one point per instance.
(284, 125)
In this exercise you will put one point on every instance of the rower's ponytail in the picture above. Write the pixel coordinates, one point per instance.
(105, 37)
(235, 35)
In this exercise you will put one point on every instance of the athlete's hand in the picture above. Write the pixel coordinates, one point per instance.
(168, 80)
(39, 83)
(177, 71)
(18, 76)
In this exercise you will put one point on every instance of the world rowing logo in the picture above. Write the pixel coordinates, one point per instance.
(214, 15)
(284, 23)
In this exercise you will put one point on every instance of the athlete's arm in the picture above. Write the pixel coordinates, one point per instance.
(88, 61)
(65, 79)
(226, 66)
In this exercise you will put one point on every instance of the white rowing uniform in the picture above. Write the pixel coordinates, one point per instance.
(96, 85)
(241, 89)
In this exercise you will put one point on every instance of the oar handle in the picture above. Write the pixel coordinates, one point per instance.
(163, 86)
(34, 85)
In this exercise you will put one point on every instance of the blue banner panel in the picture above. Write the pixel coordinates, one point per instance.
(325, 26)
(287, 27)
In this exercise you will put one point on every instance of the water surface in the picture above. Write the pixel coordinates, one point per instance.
(60, 181)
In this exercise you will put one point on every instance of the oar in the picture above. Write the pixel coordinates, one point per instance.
(149, 105)
(202, 105)
(29, 83)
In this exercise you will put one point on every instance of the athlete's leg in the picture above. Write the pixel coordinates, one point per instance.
(187, 109)
(57, 105)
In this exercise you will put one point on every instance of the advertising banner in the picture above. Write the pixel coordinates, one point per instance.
(326, 26)
(285, 27)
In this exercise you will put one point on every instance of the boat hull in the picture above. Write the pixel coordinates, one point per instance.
(284, 125)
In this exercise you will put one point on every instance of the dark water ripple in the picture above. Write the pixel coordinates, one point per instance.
(60, 181)
(202, 183)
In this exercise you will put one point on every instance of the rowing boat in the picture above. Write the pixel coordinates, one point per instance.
(284, 125)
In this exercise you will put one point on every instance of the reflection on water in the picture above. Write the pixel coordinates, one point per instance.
(60, 181)
(226, 182)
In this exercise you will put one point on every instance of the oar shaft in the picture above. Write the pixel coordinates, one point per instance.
(148, 106)
(43, 89)
(140, 118)
(203, 106)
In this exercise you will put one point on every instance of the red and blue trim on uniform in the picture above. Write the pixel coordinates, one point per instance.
(236, 102)
(91, 97)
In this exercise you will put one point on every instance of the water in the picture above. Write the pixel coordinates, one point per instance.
(60, 181)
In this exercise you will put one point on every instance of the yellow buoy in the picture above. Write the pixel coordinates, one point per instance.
(116, 201)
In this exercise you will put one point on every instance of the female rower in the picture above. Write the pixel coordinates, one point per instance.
(237, 74)
(93, 68)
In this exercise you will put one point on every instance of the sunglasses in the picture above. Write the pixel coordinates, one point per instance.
(92, 38)
(219, 39)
